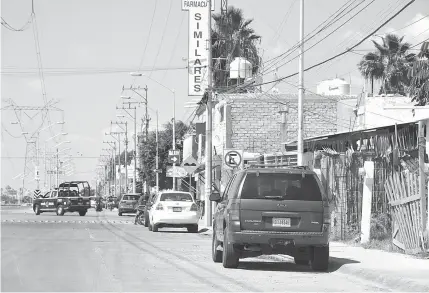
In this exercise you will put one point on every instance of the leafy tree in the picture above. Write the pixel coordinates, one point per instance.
(389, 64)
(419, 75)
(233, 36)
(165, 144)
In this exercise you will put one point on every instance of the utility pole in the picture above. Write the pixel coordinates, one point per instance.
(113, 146)
(126, 151)
(208, 169)
(58, 170)
(135, 139)
(157, 154)
(174, 140)
(300, 142)
(146, 169)
(422, 175)
(119, 155)
(147, 119)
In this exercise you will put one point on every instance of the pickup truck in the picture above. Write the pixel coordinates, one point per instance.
(67, 198)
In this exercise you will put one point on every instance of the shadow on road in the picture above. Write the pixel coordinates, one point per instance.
(335, 263)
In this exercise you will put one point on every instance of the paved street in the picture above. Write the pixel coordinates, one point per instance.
(105, 252)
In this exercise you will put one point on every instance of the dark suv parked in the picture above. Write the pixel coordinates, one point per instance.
(272, 210)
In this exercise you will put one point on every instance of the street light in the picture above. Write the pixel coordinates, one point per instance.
(52, 124)
(67, 141)
(63, 133)
(174, 115)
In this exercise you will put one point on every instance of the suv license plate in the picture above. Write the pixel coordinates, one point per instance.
(281, 222)
(177, 209)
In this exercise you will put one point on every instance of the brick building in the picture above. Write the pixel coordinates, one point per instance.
(259, 124)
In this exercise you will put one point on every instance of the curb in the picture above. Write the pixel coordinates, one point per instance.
(393, 282)
(383, 278)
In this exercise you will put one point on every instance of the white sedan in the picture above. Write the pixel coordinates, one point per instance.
(174, 209)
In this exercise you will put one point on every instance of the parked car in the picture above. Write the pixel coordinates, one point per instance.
(174, 209)
(272, 211)
(69, 197)
(128, 203)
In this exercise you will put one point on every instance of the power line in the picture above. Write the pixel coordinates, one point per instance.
(162, 37)
(344, 52)
(174, 46)
(147, 39)
(414, 22)
(309, 36)
(325, 37)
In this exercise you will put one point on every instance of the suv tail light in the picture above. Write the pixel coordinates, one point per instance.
(194, 208)
(326, 216)
(234, 212)
(159, 207)
(326, 219)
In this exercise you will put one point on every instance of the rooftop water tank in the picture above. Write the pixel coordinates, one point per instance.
(240, 68)
(333, 87)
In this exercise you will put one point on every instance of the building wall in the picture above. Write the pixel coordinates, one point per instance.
(382, 111)
(252, 122)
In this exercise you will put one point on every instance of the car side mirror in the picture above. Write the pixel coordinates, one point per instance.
(215, 196)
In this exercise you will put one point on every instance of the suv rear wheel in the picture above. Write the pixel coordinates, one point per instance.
(230, 258)
(82, 213)
(216, 254)
(320, 258)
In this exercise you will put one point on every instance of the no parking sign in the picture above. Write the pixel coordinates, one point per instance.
(233, 159)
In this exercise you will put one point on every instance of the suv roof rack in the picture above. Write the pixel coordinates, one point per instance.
(284, 165)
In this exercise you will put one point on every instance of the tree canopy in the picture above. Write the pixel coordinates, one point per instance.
(165, 144)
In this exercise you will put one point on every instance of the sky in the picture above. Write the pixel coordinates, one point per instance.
(89, 47)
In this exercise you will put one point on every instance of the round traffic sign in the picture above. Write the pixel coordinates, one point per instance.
(233, 159)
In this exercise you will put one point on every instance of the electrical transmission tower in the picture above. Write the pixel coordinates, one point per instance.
(32, 158)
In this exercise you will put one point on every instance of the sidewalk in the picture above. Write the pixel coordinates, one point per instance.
(397, 271)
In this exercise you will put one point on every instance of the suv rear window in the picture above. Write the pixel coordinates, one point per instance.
(281, 186)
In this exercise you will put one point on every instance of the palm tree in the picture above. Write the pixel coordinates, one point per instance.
(389, 64)
(419, 75)
(232, 37)
(371, 68)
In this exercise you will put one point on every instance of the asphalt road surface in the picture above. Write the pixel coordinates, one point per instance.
(105, 252)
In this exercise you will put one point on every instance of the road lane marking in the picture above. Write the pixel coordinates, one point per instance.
(68, 221)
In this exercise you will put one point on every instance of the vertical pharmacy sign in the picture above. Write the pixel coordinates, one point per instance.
(198, 38)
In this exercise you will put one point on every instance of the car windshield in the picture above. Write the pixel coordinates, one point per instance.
(130, 197)
(175, 197)
(281, 186)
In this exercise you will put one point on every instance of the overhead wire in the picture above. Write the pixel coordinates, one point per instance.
(147, 39)
(342, 53)
(325, 37)
(321, 27)
(162, 38)
(174, 46)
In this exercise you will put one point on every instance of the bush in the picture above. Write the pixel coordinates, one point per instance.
(381, 227)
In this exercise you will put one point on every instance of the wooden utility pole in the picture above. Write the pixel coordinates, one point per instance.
(422, 175)
(300, 143)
